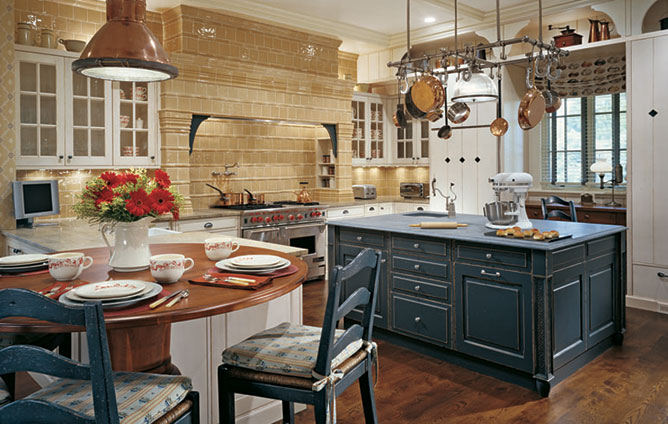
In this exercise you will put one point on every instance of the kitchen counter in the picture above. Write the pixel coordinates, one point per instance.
(70, 235)
(528, 312)
(381, 199)
(200, 214)
(475, 232)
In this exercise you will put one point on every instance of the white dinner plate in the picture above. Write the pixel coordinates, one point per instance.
(256, 261)
(73, 296)
(227, 265)
(24, 265)
(110, 289)
(14, 260)
(228, 268)
(117, 304)
(23, 268)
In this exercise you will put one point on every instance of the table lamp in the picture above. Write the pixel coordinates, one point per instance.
(601, 167)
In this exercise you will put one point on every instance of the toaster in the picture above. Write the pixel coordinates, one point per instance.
(364, 191)
(414, 190)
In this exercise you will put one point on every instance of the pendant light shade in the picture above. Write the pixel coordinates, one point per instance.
(479, 88)
(124, 49)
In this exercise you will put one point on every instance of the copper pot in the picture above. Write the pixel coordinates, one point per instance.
(459, 112)
(427, 93)
(434, 115)
(411, 108)
(498, 127)
(399, 117)
(227, 199)
(254, 199)
(532, 106)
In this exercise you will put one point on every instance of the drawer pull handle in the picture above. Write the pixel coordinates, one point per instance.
(488, 256)
(420, 208)
(496, 274)
(416, 246)
(345, 212)
(208, 225)
(587, 216)
(417, 320)
(417, 288)
(371, 209)
(416, 266)
(382, 261)
(359, 238)
(662, 275)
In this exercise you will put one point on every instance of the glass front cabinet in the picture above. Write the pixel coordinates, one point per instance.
(67, 120)
(370, 126)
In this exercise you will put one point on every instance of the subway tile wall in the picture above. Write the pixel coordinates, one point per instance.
(387, 179)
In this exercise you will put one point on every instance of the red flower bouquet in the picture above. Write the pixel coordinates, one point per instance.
(128, 197)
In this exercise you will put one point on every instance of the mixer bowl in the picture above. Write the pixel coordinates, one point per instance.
(496, 212)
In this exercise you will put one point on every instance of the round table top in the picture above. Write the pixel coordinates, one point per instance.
(203, 301)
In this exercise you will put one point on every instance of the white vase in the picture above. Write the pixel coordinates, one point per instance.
(131, 248)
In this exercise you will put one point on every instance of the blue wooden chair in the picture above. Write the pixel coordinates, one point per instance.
(91, 394)
(297, 363)
(556, 213)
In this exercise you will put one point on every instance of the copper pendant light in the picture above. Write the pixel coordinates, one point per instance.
(124, 49)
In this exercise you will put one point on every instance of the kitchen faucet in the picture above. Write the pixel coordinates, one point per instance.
(449, 204)
(227, 172)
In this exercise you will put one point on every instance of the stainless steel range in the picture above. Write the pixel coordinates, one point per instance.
(291, 224)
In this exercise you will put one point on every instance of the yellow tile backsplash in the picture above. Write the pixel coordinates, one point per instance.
(387, 179)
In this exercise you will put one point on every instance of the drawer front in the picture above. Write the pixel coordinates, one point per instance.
(349, 212)
(506, 257)
(423, 320)
(207, 224)
(371, 210)
(420, 266)
(360, 237)
(385, 208)
(651, 283)
(438, 290)
(420, 246)
(597, 217)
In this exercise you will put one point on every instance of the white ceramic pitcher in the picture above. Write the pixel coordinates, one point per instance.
(131, 248)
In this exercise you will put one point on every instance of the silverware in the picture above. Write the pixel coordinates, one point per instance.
(176, 300)
(53, 291)
(164, 299)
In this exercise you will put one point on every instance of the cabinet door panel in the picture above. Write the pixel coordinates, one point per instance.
(420, 318)
(494, 315)
(601, 283)
(345, 256)
(660, 151)
(569, 323)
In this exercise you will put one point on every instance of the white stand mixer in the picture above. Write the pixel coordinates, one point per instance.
(518, 183)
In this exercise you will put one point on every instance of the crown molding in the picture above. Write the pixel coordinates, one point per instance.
(462, 9)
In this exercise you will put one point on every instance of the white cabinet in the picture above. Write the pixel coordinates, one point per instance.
(345, 212)
(385, 208)
(648, 172)
(403, 207)
(371, 209)
(370, 125)
(68, 120)
(228, 225)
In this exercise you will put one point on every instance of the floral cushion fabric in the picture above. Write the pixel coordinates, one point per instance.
(285, 349)
(4, 393)
(141, 398)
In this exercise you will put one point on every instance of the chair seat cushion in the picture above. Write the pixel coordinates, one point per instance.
(141, 398)
(286, 349)
(5, 396)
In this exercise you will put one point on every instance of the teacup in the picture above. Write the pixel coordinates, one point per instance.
(220, 248)
(140, 93)
(125, 120)
(168, 268)
(69, 265)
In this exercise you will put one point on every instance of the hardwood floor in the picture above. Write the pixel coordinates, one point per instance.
(626, 384)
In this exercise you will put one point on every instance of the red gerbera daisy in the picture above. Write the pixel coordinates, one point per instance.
(129, 178)
(111, 178)
(139, 203)
(161, 200)
(106, 195)
(162, 178)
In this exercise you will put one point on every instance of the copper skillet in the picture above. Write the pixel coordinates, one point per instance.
(532, 106)
(427, 94)
(411, 108)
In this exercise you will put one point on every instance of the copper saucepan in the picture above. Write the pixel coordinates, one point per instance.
(411, 108)
(459, 112)
(227, 199)
(427, 93)
(532, 106)
(254, 199)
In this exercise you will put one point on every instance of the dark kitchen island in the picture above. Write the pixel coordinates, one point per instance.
(528, 312)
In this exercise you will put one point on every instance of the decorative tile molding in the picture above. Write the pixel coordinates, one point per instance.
(7, 114)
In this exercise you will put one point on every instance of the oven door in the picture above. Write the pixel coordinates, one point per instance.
(310, 237)
(267, 235)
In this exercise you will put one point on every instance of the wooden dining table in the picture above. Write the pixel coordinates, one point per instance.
(140, 341)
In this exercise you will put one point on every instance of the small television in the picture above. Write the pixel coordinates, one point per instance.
(34, 198)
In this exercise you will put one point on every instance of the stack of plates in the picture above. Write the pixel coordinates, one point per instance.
(253, 264)
(18, 264)
(113, 294)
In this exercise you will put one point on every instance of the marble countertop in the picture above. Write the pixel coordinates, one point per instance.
(200, 214)
(475, 232)
(381, 199)
(70, 235)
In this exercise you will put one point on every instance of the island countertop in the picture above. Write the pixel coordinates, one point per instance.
(475, 232)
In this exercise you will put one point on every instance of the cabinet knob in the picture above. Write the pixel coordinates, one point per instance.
(61, 157)
(420, 208)
(208, 225)
(417, 320)
(416, 288)
(587, 216)
(69, 157)
(345, 212)
(662, 274)
(488, 256)
(416, 266)
(359, 238)
(416, 246)
(496, 274)
(372, 209)
(152, 157)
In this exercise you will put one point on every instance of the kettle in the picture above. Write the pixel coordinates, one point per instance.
(594, 30)
(303, 196)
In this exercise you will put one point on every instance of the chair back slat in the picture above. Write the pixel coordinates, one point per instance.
(366, 266)
(351, 334)
(557, 213)
(30, 411)
(359, 297)
(25, 303)
(37, 359)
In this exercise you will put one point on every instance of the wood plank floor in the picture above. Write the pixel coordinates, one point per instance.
(626, 384)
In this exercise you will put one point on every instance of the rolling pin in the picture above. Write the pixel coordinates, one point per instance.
(438, 225)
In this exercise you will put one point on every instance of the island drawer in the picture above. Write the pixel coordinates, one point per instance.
(436, 289)
(421, 319)
(361, 237)
(420, 266)
(413, 245)
(504, 256)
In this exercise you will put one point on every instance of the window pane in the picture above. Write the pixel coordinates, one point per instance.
(560, 133)
(561, 166)
(622, 160)
(622, 130)
(409, 131)
(400, 150)
(573, 134)
(603, 103)
(409, 149)
(424, 129)
(573, 106)
(425, 149)
(28, 76)
(603, 130)
(574, 167)
(622, 102)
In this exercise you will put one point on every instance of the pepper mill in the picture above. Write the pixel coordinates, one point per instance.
(594, 30)
(605, 30)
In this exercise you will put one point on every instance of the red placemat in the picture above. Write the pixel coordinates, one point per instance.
(25, 274)
(261, 280)
(138, 307)
(61, 288)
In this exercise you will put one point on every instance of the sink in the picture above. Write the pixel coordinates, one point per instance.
(427, 214)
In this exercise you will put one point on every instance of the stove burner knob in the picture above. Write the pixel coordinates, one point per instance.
(300, 216)
(280, 217)
(253, 220)
(267, 219)
(275, 218)
(291, 217)
(318, 213)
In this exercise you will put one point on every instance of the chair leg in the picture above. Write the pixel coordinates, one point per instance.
(320, 408)
(288, 412)
(225, 402)
(368, 399)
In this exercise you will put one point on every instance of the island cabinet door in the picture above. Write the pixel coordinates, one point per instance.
(602, 282)
(493, 308)
(345, 256)
(569, 322)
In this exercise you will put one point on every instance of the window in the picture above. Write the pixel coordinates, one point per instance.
(413, 140)
(581, 132)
